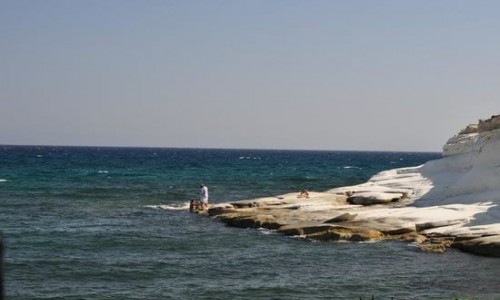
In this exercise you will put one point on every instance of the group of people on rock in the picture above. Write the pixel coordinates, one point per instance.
(202, 204)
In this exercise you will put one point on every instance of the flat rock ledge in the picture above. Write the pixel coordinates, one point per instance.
(450, 202)
(356, 214)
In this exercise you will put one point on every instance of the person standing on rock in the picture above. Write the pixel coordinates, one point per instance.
(204, 196)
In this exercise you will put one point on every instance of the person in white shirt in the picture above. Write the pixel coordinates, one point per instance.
(204, 196)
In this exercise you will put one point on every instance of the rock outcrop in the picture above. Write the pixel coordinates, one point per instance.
(450, 202)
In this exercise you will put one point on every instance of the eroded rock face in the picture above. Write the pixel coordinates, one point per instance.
(470, 139)
(451, 202)
(471, 128)
(329, 232)
(328, 217)
(489, 124)
(371, 198)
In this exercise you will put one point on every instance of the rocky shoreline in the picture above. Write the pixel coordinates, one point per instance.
(450, 202)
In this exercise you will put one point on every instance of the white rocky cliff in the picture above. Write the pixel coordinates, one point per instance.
(450, 202)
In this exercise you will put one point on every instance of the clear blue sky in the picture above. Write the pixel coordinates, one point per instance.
(340, 75)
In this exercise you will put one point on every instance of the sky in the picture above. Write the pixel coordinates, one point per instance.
(318, 75)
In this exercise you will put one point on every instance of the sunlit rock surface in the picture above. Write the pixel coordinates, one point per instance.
(450, 202)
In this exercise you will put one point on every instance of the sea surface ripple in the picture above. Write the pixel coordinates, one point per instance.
(88, 223)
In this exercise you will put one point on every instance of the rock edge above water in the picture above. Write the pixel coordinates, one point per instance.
(450, 202)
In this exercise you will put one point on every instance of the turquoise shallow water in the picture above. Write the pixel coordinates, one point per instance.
(78, 224)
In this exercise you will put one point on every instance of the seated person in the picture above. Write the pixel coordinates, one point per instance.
(194, 206)
(303, 194)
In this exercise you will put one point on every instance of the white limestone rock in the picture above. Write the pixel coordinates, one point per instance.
(453, 201)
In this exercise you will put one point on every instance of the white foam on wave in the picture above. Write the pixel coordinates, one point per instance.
(351, 167)
(266, 231)
(174, 206)
(103, 172)
(3, 180)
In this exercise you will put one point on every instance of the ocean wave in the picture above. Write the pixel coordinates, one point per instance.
(266, 231)
(250, 157)
(3, 180)
(103, 172)
(300, 179)
(298, 236)
(174, 206)
(351, 167)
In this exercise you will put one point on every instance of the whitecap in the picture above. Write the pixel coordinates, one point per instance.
(174, 206)
(299, 236)
(3, 180)
(103, 172)
(351, 167)
(266, 231)
(39, 155)
(368, 242)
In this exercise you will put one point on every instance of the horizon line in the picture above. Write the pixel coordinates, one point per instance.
(215, 148)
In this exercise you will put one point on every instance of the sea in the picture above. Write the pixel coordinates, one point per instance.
(111, 223)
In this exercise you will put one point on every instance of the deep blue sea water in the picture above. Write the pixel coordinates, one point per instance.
(79, 223)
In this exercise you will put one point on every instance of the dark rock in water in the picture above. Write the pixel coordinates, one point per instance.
(252, 221)
(486, 245)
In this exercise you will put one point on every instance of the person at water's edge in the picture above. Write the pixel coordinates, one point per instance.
(204, 196)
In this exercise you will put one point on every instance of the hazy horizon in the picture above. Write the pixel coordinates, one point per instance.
(214, 148)
(294, 75)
